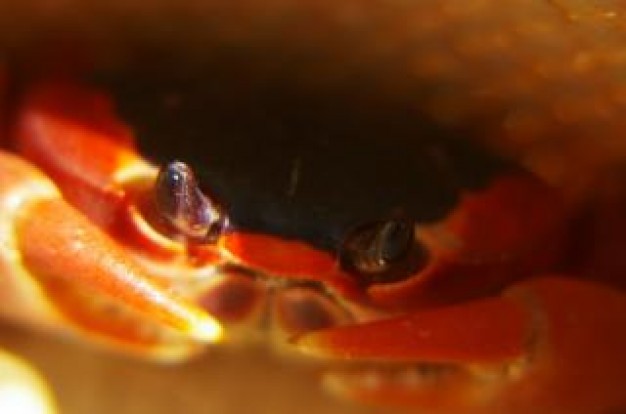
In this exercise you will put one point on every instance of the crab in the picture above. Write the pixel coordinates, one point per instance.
(477, 308)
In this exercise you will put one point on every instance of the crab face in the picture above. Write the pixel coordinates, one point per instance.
(375, 226)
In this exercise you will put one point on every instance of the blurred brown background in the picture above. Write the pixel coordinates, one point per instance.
(539, 81)
(225, 381)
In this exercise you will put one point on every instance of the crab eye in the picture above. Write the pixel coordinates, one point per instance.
(181, 202)
(383, 252)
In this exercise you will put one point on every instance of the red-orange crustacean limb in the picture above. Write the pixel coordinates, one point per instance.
(61, 271)
(549, 361)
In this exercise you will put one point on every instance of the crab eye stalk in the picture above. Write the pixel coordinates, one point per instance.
(383, 252)
(181, 202)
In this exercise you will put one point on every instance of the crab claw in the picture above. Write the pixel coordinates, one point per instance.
(547, 345)
(61, 272)
(79, 245)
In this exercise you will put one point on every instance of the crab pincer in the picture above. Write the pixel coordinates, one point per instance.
(64, 261)
(528, 350)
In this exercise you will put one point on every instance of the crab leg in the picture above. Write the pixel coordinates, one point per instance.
(52, 259)
(549, 345)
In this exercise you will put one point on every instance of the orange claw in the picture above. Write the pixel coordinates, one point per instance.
(58, 268)
(73, 134)
(547, 345)
(62, 263)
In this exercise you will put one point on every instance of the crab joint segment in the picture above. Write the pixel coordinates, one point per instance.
(545, 362)
(48, 247)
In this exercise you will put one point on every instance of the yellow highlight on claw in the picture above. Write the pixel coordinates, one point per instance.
(206, 329)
